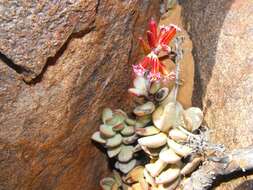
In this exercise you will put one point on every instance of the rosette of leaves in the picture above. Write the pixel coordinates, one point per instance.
(166, 140)
(117, 135)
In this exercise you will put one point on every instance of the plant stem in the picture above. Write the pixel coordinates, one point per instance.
(179, 54)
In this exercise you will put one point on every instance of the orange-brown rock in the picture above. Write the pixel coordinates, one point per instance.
(222, 35)
(31, 32)
(174, 16)
(75, 58)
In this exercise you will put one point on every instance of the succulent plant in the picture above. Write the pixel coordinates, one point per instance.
(111, 183)
(168, 166)
(162, 128)
(156, 130)
(118, 137)
(140, 86)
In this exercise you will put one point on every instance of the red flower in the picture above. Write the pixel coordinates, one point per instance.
(150, 64)
(156, 43)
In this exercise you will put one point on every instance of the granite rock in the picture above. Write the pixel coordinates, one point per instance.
(57, 73)
(222, 35)
(31, 32)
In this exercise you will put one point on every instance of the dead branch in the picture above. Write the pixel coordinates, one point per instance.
(240, 160)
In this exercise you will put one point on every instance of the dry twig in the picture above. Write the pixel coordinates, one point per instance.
(240, 160)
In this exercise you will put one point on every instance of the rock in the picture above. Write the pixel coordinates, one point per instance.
(32, 32)
(47, 121)
(222, 35)
(173, 16)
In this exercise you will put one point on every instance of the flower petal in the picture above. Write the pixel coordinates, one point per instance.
(163, 69)
(154, 74)
(155, 68)
(145, 62)
(139, 70)
(162, 32)
(166, 48)
(153, 28)
(151, 39)
(144, 46)
(169, 35)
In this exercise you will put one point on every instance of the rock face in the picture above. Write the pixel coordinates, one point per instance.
(222, 35)
(61, 63)
(36, 31)
(173, 16)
